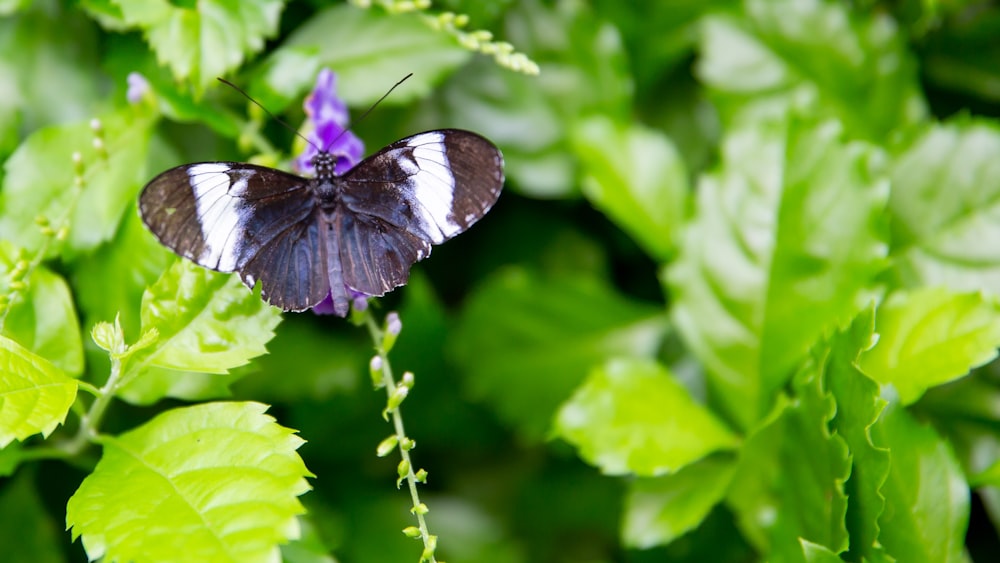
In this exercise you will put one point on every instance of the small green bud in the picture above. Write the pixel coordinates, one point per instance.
(62, 234)
(461, 20)
(482, 35)
(375, 370)
(397, 398)
(41, 220)
(411, 532)
(403, 469)
(47, 231)
(407, 444)
(408, 380)
(420, 509)
(421, 476)
(18, 285)
(386, 446)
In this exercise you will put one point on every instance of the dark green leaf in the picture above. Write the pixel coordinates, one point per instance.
(29, 532)
(524, 342)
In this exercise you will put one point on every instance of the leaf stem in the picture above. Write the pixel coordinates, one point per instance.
(391, 389)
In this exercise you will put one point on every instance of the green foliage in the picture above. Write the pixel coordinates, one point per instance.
(225, 473)
(738, 301)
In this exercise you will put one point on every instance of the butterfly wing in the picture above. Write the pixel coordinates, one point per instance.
(418, 191)
(230, 216)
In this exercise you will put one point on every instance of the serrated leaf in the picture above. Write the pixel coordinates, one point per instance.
(786, 241)
(660, 510)
(43, 319)
(861, 408)
(208, 323)
(373, 49)
(789, 484)
(204, 40)
(524, 342)
(632, 416)
(35, 395)
(857, 67)
(945, 201)
(39, 181)
(926, 495)
(635, 176)
(931, 336)
(212, 482)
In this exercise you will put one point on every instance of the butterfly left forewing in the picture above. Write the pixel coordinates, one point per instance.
(418, 191)
(218, 214)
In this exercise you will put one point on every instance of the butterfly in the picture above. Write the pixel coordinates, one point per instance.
(306, 238)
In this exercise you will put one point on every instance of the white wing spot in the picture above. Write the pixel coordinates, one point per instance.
(219, 212)
(433, 186)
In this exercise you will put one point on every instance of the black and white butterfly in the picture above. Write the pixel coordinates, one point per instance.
(304, 239)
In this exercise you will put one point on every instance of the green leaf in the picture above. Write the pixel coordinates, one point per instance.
(584, 72)
(214, 482)
(945, 199)
(661, 509)
(858, 68)
(861, 406)
(926, 496)
(43, 319)
(816, 553)
(39, 181)
(931, 336)
(204, 40)
(789, 484)
(29, 533)
(787, 238)
(635, 176)
(35, 395)
(372, 50)
(524, 342)
(632, 416)
(208, 323)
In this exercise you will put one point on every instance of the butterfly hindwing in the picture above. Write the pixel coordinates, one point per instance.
(418, 191)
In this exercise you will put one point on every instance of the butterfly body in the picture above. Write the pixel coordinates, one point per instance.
(304, 239)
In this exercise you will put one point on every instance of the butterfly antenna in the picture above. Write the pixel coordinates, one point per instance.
(369, 110)
(275, 117)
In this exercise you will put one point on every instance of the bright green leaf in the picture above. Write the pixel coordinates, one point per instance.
(524, 342)
(816, 553)
(43, 318)
(208, 323)
(204, 40)
(39, 181)
(212, 482)
(787, 238)
(931, 336)
(945, 200)
(636, 177)
(926, 495)
(35, 395)
(29, 532)
(861, 406)
(661, 509)
(632, 416)
(372, 50)
(858, 68)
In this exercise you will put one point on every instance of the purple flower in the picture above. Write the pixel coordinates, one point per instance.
(138, 88)
(328, 117)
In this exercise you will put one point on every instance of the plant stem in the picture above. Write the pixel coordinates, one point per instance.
(397, 422)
